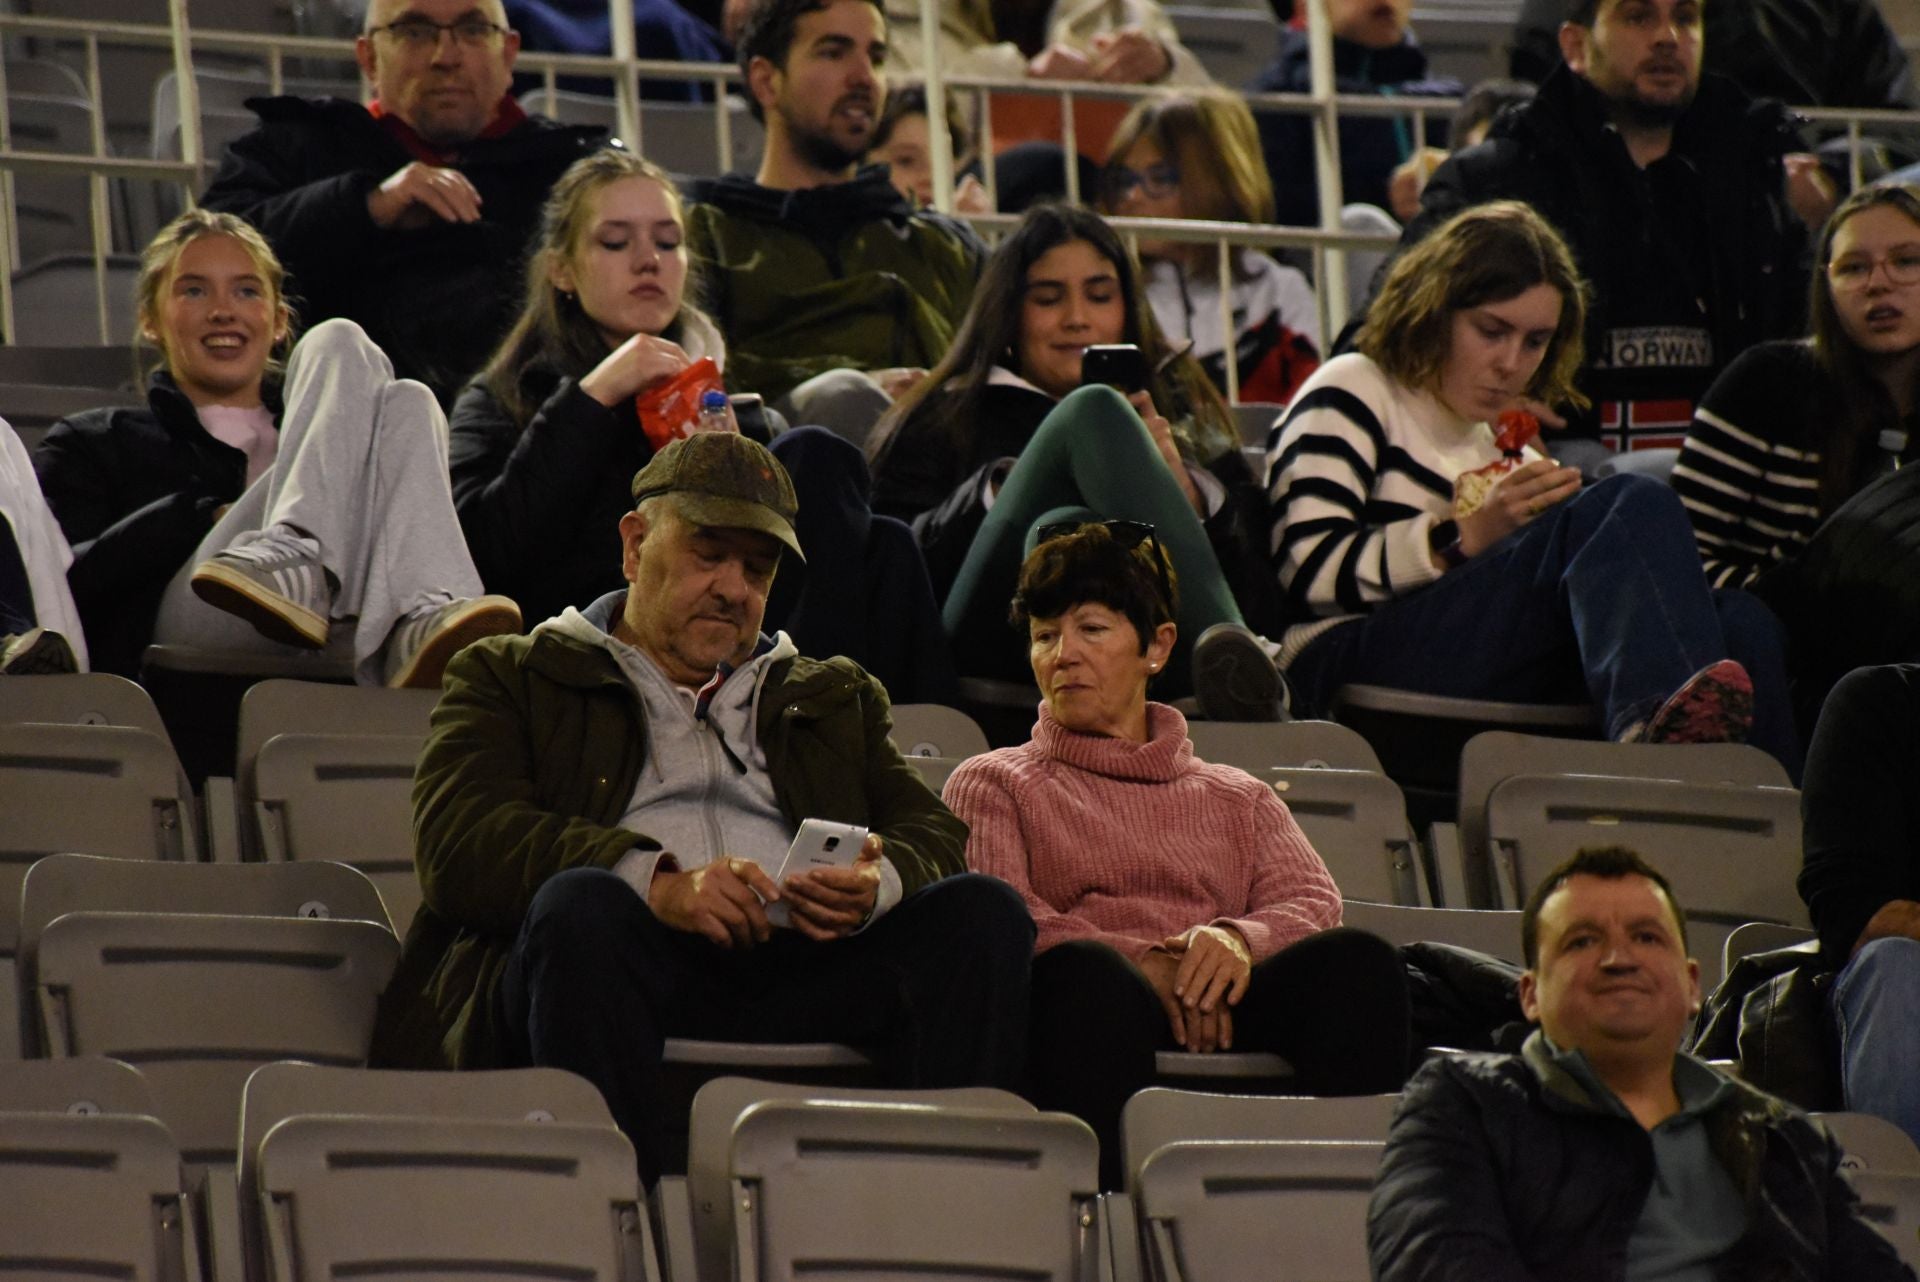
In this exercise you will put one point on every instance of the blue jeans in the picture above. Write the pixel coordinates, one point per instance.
(1599, 598)
(1875, 1002)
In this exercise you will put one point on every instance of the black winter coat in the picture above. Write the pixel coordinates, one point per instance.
(134, 490)
(1708, 222)
(1500, 1169)
(437, 299)
(541, 508)
(1371, 147)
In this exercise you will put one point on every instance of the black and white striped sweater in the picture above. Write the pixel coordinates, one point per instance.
(1750, 471)
(1359, 472)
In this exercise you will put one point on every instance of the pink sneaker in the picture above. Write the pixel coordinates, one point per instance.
(1714, 706)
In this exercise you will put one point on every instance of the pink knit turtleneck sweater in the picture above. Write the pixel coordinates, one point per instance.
(1127, 843)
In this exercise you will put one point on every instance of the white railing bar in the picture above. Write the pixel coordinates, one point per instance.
(626, 85)
(1229, 346)
(1326, 155)
(938, 137)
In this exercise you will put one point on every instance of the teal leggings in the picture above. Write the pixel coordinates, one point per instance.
(1091, 458)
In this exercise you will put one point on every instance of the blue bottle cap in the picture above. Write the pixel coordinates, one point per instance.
(714, 399)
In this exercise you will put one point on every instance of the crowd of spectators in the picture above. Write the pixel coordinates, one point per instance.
(671, 492)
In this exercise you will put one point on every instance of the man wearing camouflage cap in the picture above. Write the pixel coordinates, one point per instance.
(601, 804)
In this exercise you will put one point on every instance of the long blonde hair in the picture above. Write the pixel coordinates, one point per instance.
(553, 329)
(163, 252)
(1212, 139)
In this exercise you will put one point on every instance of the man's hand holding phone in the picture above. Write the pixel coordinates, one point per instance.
(724, 901)
(828, 902)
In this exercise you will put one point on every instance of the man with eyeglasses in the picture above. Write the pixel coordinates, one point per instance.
(410, 215)
(1671, 188)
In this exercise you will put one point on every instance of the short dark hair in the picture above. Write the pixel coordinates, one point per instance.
(768, 33)
(1091, 565)
(910, 99)
(1581, 13)
(1610, 863)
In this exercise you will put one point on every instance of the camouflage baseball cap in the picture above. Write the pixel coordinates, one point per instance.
(726, 480)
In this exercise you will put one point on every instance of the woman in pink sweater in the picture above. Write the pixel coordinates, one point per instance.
(1178, 904)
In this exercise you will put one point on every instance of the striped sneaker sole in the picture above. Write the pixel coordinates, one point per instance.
(276, 617)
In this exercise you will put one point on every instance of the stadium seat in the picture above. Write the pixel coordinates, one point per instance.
(345, 798)
(79, 699)
(681, 137)
(275, 1092)
(1157, 1116)
(1232, 44)
(93, 1197)
(716, 1108)
(197, 1001)
(946, 1191)
(85, 1085)
(934, 730)
(85, 366)
(1890, 1201)
(1266, 1210)
(1495, 756)
(1494, 932)
(1872, 1144)
(55, 300)
(99, 789)
(1256, 746)
(1759, 937)
(436, 1197)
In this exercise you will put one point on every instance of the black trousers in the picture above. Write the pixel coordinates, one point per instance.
(1334, 1005)
(936, 989)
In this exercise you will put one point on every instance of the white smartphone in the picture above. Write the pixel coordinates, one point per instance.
(820, 843)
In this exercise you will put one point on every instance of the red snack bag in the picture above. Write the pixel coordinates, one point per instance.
(1513, 432)
(669, 409)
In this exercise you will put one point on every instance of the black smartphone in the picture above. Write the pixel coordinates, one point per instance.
(1118, 365)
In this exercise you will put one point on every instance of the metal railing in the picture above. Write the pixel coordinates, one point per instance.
(1327, 245)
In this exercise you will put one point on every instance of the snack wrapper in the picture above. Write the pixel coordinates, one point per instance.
(1514, 431)
(670, 410)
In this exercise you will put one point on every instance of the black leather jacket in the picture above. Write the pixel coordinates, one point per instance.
(1501, 1168)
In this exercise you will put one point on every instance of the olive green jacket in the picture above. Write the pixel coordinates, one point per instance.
(533, 755)
(846, 276)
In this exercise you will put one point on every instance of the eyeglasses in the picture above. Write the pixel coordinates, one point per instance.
(1903, 268)
(424, 33)
(1129, 535)
(1158, 181)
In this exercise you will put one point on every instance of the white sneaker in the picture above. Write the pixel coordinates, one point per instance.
(274, 581)
(1236, 678)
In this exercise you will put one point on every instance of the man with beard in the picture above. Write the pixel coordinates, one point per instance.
(409, 216)
(1670, 188)
(814, 269)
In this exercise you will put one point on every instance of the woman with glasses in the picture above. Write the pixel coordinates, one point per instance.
(1423, 548)
(1002, 437)
(1793, 433)
(1199, 157)
(1177, 904)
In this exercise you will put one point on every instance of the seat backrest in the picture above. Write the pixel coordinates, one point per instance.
(1225, 1210)
(393, 1196)
(80, 699)
(1872, 1143)
(197, 1002)
(1258, 746)
(935, 730)
(1014, 1192)
(103, 790)
(1494, 932)
(64, 883)
(281, 706)
(1732, 851)
(1357, 821)
(92, 1196)
(1496, 755)
(1890, 1202)
(718, 1105)
(275, 1092)
(85, 1085)
(343, 797)
(1158, 1116)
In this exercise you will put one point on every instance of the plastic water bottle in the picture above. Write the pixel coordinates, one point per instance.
(716, 414)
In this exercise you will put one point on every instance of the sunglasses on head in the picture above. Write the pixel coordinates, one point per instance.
(1129, 535)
